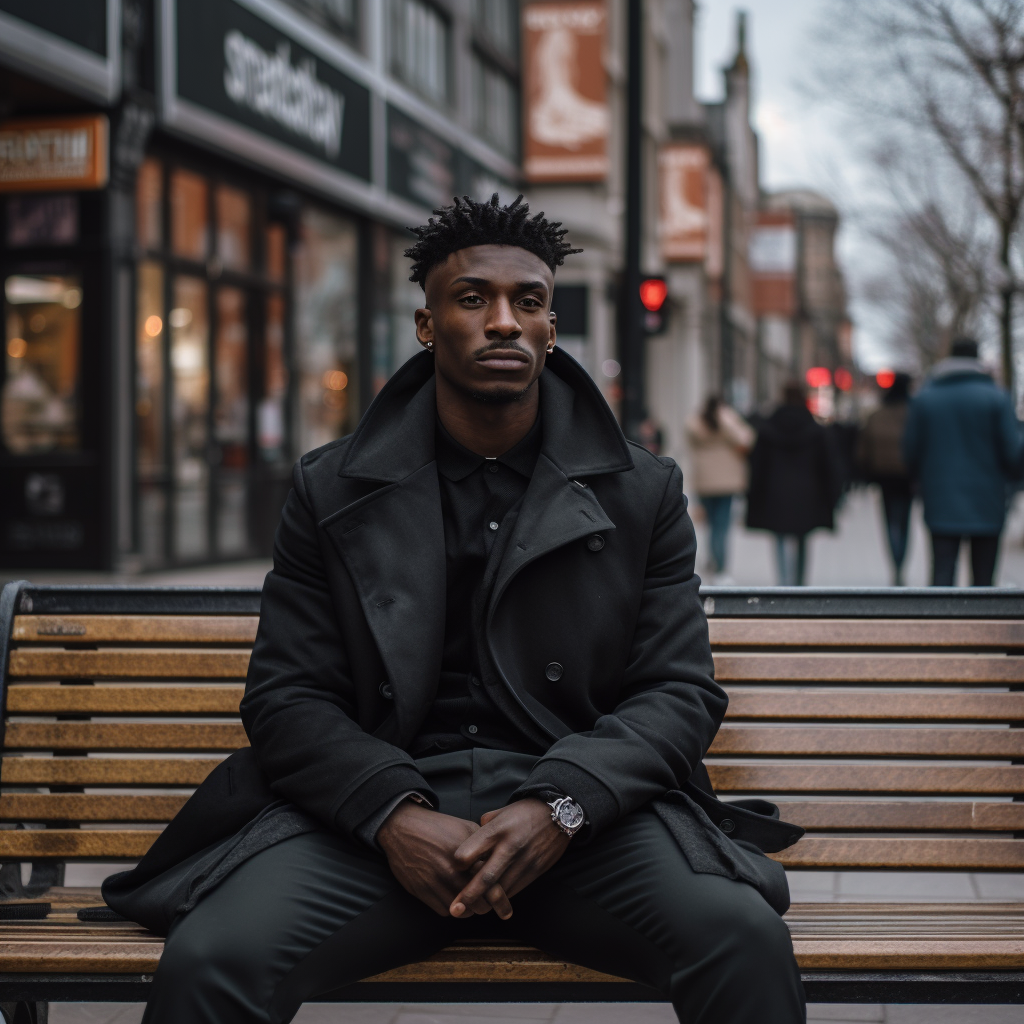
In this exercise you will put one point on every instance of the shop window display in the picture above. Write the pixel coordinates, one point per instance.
(40, 401)
(150, 334)
(190, 215)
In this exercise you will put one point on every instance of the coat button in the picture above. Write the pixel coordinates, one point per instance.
(596, 542)
(727, 825)
(472, 730)
(387, 691)
(553, 671)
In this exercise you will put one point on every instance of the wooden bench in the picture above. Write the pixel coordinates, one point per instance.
(887, 723)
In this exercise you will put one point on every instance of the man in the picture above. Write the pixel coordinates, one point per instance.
(479, 697)
(963, 445)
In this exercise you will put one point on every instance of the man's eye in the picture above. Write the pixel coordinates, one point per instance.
(474, 300)
(531, 302)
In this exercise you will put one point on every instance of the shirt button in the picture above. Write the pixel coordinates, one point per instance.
(596, 542)
(472, 730)
(492, 468)
(553, 671)
(493, 525)
(386, 691)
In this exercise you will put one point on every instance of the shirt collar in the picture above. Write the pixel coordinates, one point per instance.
(456, 462)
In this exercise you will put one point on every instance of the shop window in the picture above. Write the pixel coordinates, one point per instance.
(325, 326)
(494, 108)
(234, 214)
(231, 421)
(43, 327)
(149, 206)
(276, 242)
(271, 415)
(190, 376)
(421, 47)
(150, 332)
(498, 22)
(190, 215)
(340, 16)
(406, 298)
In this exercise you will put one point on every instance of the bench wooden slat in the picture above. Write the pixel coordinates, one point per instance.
(851, 853)
(874, 705)
(126, 736)
(25, 844)
(186, 629)
(867, 778)
(106, 771)
(137, 663)
(157, 699)
(89, 807)
(897, 815)
(998, 633)
(977, 670)
(841, 740)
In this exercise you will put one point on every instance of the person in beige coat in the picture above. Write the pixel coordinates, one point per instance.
(719, 441)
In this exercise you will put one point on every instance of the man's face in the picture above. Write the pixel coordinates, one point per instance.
(489, 321)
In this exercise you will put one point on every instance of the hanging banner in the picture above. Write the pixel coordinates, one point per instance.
(773, 262)
(566, 115)
(54, 153)
(683, 184)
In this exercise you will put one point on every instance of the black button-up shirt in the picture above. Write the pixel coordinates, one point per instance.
(479, 501)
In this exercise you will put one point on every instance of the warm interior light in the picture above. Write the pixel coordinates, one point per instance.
(154, 325)
(885, 379)
(335, 380)
(844, 379)
(819, 377)
(17, 347)
(653, 293)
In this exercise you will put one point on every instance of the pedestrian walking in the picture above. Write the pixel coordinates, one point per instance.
(880, 460)
(720, 441)
(795, 482)
(963, 445)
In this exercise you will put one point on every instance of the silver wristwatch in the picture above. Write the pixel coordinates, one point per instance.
(567, 815)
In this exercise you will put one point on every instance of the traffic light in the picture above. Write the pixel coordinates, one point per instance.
(653, 293)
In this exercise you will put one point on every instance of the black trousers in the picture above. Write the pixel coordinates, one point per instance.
(946, 550)
(315, 913)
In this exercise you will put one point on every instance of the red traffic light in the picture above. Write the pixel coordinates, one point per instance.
(653, 293)
(819, 377)
(885, 379)
(844, 379)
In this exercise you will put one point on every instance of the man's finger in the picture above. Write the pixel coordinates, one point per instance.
(486, 819)
(487, 877)
(475, 848)
(499, 901)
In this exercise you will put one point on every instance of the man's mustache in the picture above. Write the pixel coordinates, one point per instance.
(503, 345)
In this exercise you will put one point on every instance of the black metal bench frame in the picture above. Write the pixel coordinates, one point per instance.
(23, 997)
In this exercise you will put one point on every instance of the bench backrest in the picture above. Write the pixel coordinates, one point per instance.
(886, 723)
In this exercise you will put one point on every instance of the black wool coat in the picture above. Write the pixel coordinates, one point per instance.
(796, 476)
(596, 640)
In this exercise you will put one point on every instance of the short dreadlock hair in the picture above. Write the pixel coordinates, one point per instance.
(467, 223)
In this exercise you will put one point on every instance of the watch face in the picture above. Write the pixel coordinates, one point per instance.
(570, 814)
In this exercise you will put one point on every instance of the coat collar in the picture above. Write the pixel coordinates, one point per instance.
(395, 437)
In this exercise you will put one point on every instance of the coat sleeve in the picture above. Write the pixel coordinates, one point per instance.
(298, 709)
(670, 706)
(1010, 441)
(913, 439)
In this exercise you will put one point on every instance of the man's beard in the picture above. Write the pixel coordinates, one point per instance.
(502, 396)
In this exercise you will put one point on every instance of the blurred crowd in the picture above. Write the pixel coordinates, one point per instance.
(954, 443)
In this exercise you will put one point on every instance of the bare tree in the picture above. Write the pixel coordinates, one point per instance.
(949, 74)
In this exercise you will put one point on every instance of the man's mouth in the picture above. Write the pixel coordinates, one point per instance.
(503, 359)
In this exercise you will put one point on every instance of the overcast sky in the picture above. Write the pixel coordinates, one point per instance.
(800, 146)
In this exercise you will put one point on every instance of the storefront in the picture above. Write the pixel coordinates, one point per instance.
(232, 297)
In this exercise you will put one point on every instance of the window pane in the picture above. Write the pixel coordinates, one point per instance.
(271, 413)
(276, 250)
(231, 421)
(325, 312)
(419, 47)
(149, 193)
(338, 15)
(149, 369)
(189, 215)
(40, 403)
(494, 107)
(498, 20)
(190, 332)
(233, 218)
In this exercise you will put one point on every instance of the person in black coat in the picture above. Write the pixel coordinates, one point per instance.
(795, 482)
(479, 698)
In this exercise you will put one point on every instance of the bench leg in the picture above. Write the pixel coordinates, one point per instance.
(25, 1013)
(45, 875)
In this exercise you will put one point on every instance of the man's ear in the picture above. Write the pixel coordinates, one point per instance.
(425, 328)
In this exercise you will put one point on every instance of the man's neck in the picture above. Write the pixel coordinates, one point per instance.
(486, 428)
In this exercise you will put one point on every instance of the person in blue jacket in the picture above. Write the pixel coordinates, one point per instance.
(963, 444)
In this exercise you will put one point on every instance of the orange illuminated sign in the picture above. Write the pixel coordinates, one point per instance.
(566, 116)
(54, 153)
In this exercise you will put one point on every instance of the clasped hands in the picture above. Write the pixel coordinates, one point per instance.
(459, 868)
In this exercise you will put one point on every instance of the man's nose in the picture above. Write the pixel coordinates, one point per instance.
(502, 321)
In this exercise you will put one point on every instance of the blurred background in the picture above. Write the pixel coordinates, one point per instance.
(205, 204)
